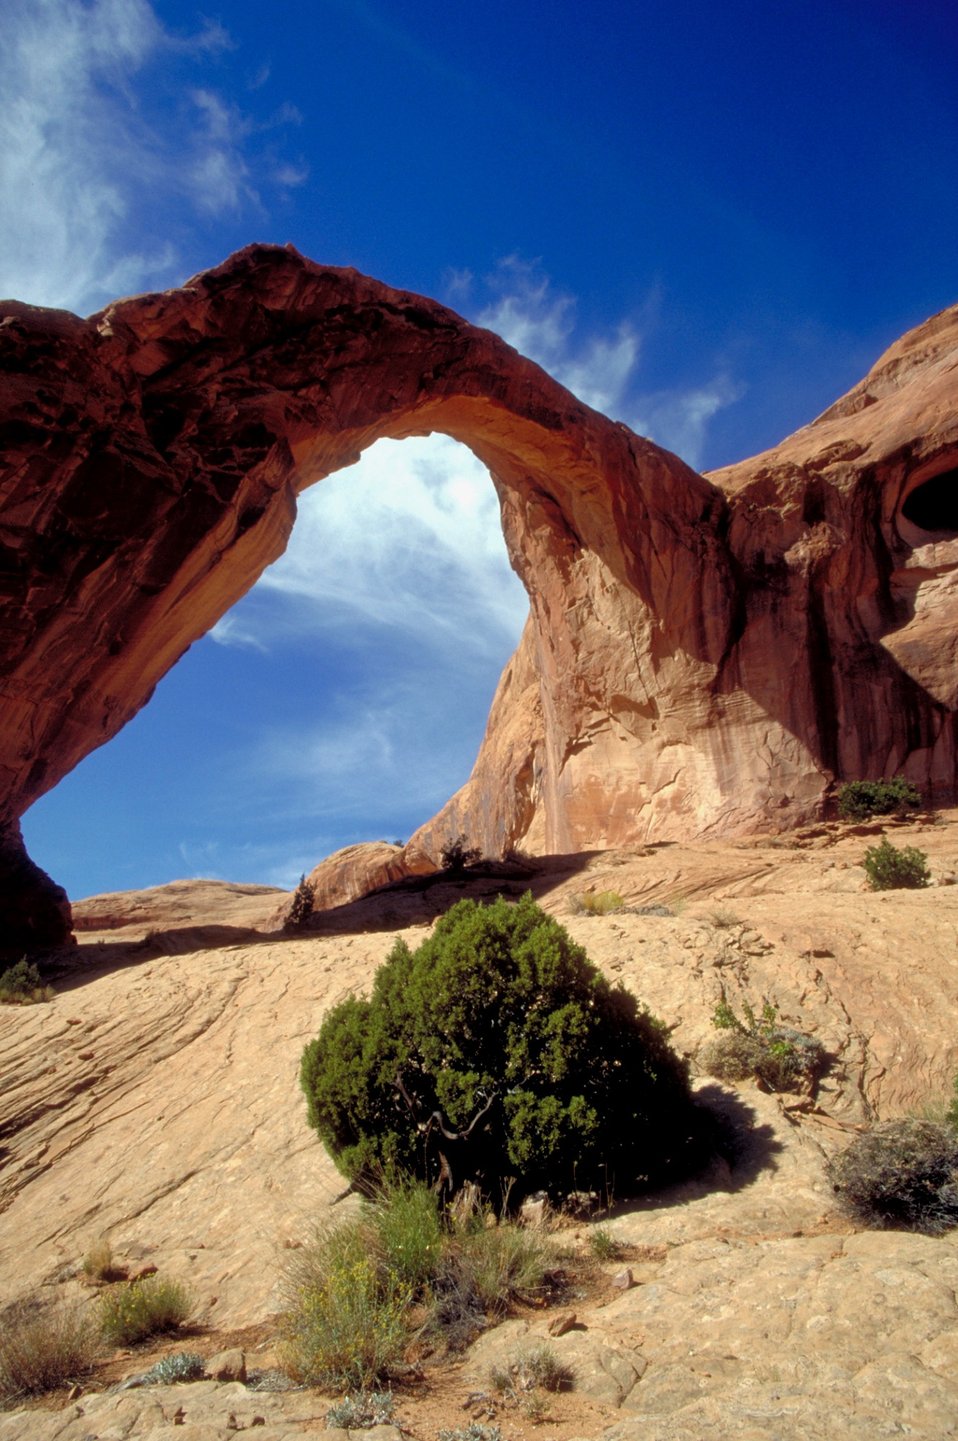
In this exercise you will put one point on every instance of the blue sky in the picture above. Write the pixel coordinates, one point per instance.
(707, 219)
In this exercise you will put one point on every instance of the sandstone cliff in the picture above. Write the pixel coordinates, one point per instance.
(703, 654)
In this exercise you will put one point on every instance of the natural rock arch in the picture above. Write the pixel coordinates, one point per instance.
(702, 654)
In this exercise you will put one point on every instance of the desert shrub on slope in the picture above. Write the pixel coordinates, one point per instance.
(900, 1175)
(893, 868)
(496, 1051)
(860, 800)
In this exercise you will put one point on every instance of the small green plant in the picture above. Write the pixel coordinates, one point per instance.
(41, 1349)
(603, 1244)
(499, 1265)
(176, 1369)
(457, 854)
(372, 1408)
(475, 1431)
(409, 1232)
(597, 903)
(347, 1312)
(541, 1367)
(860, 800)
(757, 1045)
(130, 1313)
(301, 907)
(22, 985)
(901, 1175)
(893, 868)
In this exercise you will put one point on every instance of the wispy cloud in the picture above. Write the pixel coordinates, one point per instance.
(86, 161)
(406, 541)
(679, 419)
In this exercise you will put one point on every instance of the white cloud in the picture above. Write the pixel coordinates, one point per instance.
(679, 419)
(408, 540)
(85, 169)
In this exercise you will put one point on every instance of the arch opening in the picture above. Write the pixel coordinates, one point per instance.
(342, 699)
(933, 505)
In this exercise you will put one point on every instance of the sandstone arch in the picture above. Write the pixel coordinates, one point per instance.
(702, 653)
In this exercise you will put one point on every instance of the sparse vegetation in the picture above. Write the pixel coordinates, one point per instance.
(176, 1369)
(301, 907)
(361, 1292)
(475, 1431)
(457, 854)
(861, 800)
(130, 1313)
(98, 1263)
(757, 1045)
(498, 1051)
(373, 1408)
(901, 1175)
(22, 985)
(596, 903)
(603, 1244)
(894, 868)
(42, 1348)
(723, 919)
(346, 1323)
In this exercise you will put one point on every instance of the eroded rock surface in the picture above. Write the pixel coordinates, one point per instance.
(154, 1102)
(702, 656)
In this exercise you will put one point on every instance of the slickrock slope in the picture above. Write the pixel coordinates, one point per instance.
(703, 655)
(155, 1102)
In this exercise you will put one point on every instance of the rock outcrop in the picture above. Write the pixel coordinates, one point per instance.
(703, 654)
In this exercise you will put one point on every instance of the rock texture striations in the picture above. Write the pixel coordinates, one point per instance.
(703, 654)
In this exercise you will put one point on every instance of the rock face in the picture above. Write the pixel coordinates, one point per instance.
(702, 655)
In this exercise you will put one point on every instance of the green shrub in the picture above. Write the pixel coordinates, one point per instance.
(301, 907)
(498, 1051)
(901, 1175)
(43, 1349)
(22, 985)
(499, 1265)
(409, 1234)
(890, 868)
(537, 1366)
(131, 1313)
(374, 1408)
(757, 1045)
(603, 1244)
(176, 1369)
(860, 800)
(346, 1323)
(597, 903)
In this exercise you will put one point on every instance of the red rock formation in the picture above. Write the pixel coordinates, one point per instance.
(702, 654)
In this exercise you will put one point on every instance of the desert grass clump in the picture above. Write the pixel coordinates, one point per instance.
(894, 868)
(603, 1245)
(860, 800)
(22, 985)
(757, 1045)
(597, 903)
(41, 1349)
(500, 1265)
(362, 1410)
(130, 1313)
(347, 1319)
(901, 1175)
(409, 1234)
(98, 1263)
